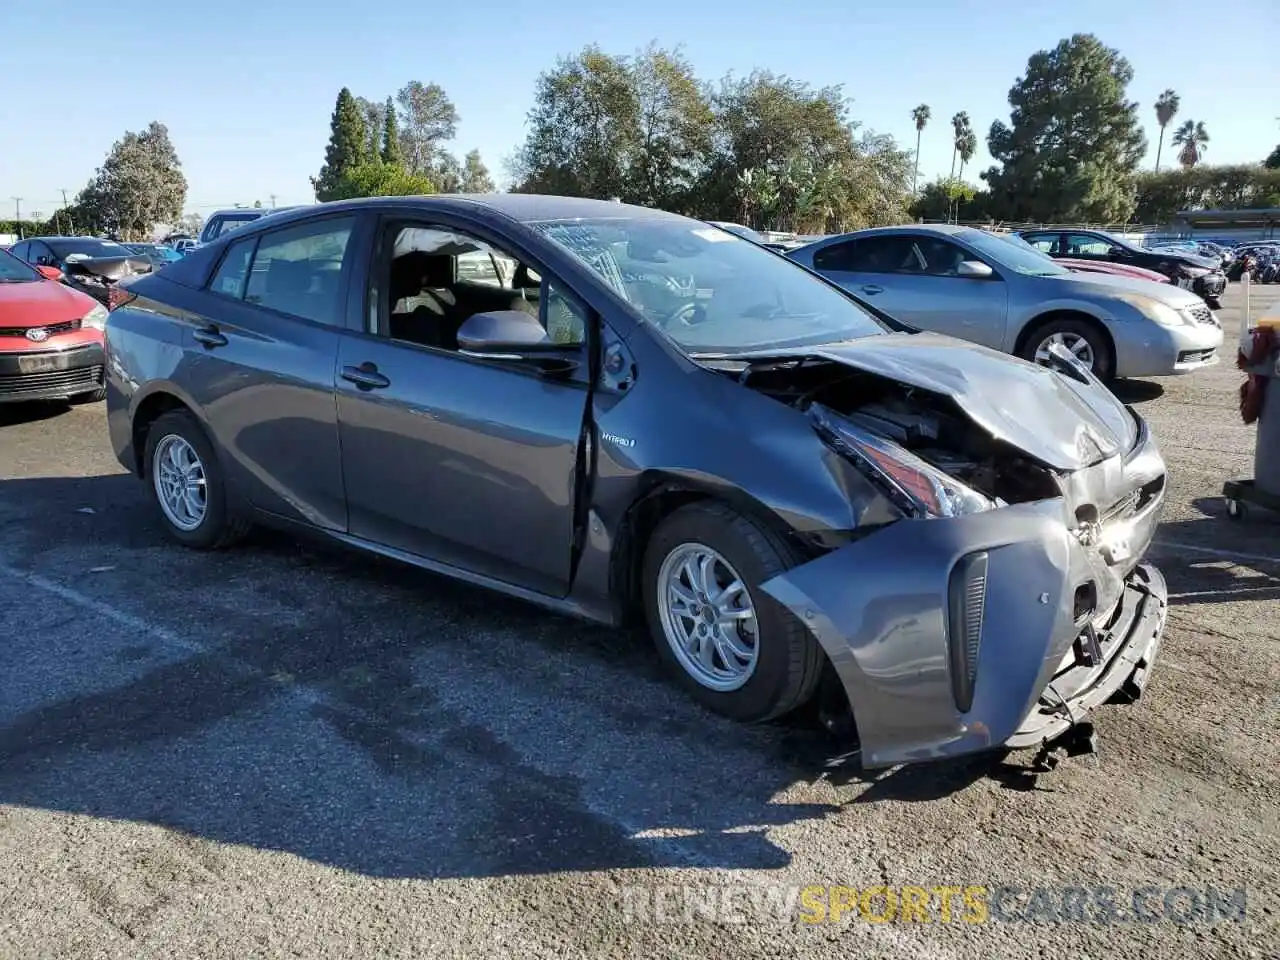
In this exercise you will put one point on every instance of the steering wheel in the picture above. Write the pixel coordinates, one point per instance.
(687, 314)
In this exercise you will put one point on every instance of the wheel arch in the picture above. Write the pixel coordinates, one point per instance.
(660, 496)
(1064, 313)
(147, 411)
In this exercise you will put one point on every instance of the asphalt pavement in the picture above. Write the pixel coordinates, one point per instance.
(288, 750)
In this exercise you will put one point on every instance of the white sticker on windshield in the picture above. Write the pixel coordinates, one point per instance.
(715, 236)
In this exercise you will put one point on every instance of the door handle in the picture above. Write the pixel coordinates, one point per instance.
(871, 289)
(366, 376)
(210, 337)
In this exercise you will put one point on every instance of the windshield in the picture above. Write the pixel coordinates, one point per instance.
(745, 232)
(1013, 252)
(87, 249)
(708, 290)
(13, 270)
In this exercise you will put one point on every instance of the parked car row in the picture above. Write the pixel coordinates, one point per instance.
(1003, 292)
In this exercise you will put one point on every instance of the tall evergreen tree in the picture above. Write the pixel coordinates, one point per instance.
(391, 150)
(347, 149)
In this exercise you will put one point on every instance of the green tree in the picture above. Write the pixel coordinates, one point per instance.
(348, 146)
(1166, 109)
(447, 173)
(375, 118)
(475, 175)
(673, 127)
(1074, 142)
(390, 150)
(960, 129)
(428, 119)
(1191, 138)
(967, 146)
(139, 185)
(374, 178)
(583, 128)
(1273, 159)
(920, 116)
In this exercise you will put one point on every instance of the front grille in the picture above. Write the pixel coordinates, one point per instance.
(54, 329)
(1201, 313)
(81, 379)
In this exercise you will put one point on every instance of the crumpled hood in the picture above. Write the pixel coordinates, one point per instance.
(109, 268)
(1061, 422)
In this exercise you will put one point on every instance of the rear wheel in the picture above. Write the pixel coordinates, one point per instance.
(730, 645)
(188, 485)
(1080, 337)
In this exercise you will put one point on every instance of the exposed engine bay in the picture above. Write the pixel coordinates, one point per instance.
(932, 427)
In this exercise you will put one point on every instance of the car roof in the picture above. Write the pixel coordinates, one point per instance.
(521, 207)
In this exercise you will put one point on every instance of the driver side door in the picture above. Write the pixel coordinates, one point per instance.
(474, 463)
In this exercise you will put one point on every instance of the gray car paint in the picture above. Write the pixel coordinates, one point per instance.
(1001, 311)
(488, 473)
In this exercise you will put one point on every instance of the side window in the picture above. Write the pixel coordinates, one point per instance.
(1044, 242)
(22, 251)
(941, 257)
(1083, 245)
(231, 274)
(838, 256)
(437, 278)
(896, 254)
(298, 270)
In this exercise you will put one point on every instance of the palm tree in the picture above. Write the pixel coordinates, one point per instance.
(960, 126)
(1166, 109)
(1192, 137)
(967, 147)
(920, 115)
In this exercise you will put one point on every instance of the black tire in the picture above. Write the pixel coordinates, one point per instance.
(220, 527)
(789, 659)
(1104, 364)
(93, 396)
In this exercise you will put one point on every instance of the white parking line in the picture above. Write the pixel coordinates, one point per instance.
(1213, 552)
(79, 599)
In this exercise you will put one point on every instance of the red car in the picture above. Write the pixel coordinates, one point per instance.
(50, 336)
(1115, 269)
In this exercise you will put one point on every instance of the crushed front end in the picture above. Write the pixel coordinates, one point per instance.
(1011, 599)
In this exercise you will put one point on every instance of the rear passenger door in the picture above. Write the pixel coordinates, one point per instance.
(475, 463)
(260, 364)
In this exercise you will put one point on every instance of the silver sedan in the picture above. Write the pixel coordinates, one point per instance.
(981, 287)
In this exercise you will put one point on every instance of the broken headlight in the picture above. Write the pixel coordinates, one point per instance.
(916, 487)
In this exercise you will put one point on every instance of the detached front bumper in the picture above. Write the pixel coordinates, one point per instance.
(1065, 617)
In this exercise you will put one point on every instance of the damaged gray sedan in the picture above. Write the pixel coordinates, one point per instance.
(632, 416)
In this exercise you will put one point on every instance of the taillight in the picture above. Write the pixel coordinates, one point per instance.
(967, 600)
(117, 297)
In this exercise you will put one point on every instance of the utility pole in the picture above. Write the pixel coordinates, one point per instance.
(272, 198)
(17, 216)
(65, 217)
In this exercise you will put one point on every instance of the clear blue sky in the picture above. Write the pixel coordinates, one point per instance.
(246, 87)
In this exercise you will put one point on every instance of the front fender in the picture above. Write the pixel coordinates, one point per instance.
(879, 609)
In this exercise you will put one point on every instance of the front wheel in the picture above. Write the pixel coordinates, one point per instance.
(187, 483)
(1084, 340)
(729, 644)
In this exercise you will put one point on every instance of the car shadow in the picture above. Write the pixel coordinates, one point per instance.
(292, 696)
(12, 414)
(1214, 559)
(1137, 391)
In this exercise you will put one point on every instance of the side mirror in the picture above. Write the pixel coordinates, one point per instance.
(974, 270)
(504, 335)
(49, 273)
